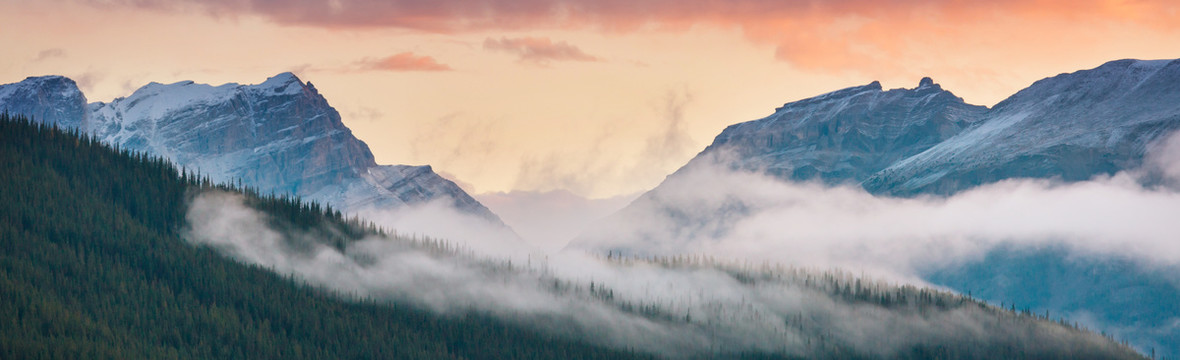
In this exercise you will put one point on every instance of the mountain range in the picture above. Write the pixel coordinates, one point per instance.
(280, 136)
(926, 142)
(115, 254)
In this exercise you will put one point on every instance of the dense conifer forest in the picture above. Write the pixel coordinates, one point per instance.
(92, 267)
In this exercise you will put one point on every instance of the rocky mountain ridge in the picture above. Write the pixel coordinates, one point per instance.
(926, 143)
(280, 136)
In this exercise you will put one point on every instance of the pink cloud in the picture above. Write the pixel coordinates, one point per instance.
(460, 15)
(406, 61)
(538, 50)
(813, 34)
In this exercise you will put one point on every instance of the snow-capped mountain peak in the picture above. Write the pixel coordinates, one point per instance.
(280, 136)
(848, 134)
(282, 84)
(1071, 126)
(51, 99)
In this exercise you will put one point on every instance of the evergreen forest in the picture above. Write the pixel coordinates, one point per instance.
(92, 267)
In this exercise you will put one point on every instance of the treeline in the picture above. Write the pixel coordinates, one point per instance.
(92, 266)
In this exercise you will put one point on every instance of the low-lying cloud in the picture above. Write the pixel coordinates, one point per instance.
(549, 220)
(439, 218)
(1163, 163)
(710, 209)
(688, 306)
(672, 308)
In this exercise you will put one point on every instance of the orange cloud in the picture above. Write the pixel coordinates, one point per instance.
(538, 50)
(405, 61)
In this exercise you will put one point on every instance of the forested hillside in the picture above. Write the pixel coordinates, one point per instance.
(91, 266)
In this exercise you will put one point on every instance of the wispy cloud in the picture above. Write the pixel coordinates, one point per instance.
(538, 50)
(406, 61)
(50, 54)
(87, 80)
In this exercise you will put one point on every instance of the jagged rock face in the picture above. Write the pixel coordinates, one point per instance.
(1071, 126)
(280, 136)
(839, 137)
(847, 135)
(49, 99)
(927, 141)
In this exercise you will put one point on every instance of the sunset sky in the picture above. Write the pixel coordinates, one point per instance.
(599, 98)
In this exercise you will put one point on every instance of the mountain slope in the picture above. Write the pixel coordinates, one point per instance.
(841, 137)
(1071, 126)
(846, 135)
(280, 136)
(92, 266)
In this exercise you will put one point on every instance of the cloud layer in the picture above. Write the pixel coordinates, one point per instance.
(709, 209)
(549, 220)
(674, 310)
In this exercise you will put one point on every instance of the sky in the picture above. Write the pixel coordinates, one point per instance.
(595, 98)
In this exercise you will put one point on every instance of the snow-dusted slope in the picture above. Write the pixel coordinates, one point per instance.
(839, 137)
(280, 136)
(49, 99)
(845, 135)
(1071, 126)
